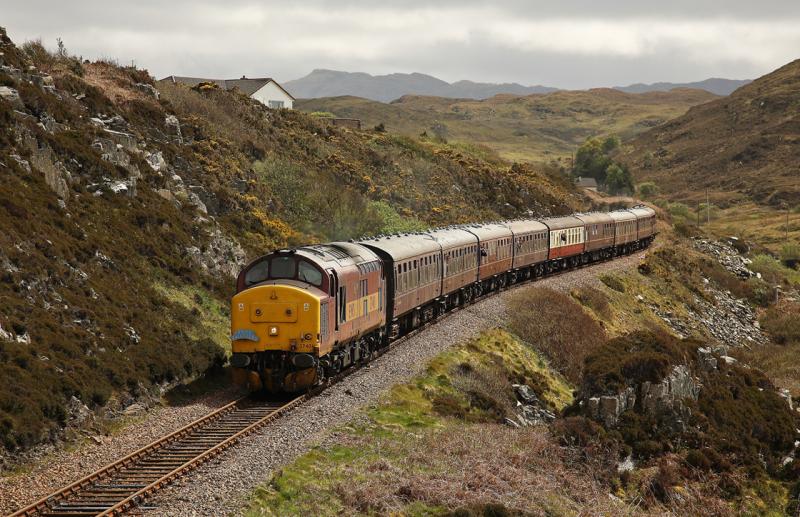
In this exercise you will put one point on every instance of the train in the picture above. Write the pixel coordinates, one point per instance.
(303, 315)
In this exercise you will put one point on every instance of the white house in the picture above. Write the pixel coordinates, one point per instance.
(265, 90)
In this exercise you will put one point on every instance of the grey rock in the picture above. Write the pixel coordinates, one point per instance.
(707, 359)
(134, 409)
(525, 394)
(126, 187)
(56, 175)
(786, 394)
(663, 399)
(174, 128)
(12, 96)
(21, 162)
(169, 196)
(209, 200)
(156, 161)
(148, 89)
(6, 335)
(222, 255)
(78, 411)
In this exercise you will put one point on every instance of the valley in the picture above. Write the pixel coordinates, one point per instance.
(542, 128)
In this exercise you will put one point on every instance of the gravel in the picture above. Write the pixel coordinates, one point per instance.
(57, 468)
(223, 485)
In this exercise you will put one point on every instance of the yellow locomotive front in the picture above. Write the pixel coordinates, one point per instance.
(276, 323)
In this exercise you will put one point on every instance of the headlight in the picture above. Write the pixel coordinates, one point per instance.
(273, 331)
(307, 336)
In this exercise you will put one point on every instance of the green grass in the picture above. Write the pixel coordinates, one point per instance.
(319, 482)
(214, 315)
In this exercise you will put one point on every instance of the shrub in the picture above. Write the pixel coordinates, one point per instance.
(782, 322)
(648, 189)
(770, 268)
(557, 326)
(613, 282)
(594, 299)
(790, 254)
(632, 359)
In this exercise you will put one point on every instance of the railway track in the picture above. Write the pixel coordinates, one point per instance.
(124, 485)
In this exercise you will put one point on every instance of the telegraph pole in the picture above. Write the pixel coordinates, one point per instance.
(787, 223)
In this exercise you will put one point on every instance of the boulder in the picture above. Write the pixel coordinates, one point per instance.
(78, 411)
(156, 161)
(12, 96)
(208, 199)
(6, 335)
(174, 128)
(147, 89)
(525, 394)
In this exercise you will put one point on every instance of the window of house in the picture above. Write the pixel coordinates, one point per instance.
(275, 104)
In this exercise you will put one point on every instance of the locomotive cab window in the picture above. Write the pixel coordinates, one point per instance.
(257, 273)
(282, 267)
(308, 273)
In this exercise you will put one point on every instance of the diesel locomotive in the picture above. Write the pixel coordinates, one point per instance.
(302, 315)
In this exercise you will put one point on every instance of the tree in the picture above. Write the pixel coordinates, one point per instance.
(618, 179)
(611, 144)
(591, 161)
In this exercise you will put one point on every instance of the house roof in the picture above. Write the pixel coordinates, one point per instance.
(245, 85)
(586, 182)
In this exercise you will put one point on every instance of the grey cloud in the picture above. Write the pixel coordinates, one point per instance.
(451, 39)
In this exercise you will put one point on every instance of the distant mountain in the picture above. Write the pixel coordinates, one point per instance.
(743, 146)
(385, 88)
(713, 85)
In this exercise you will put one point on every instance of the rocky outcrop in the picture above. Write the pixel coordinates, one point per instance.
(665, 400)
(222, 256)
(727, 256)
(530, 410)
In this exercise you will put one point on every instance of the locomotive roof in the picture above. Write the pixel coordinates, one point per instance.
(559, 223)
(526, 226)
(595, 218)
(404, 246)
(337, 253)
(489, 231)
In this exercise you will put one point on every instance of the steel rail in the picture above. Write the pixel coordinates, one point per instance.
(145, 463)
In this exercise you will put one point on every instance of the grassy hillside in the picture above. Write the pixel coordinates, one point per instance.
(125, 211)
(537, 128)
(742, 147)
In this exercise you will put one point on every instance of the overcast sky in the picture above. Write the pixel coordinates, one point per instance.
(576, 44)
